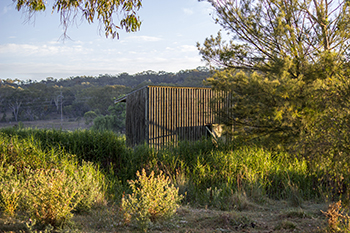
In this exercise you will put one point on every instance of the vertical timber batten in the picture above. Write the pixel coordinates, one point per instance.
(158, 115)
(146, 129)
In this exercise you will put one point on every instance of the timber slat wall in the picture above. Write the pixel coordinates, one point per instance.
(158, 115)
(136, 117)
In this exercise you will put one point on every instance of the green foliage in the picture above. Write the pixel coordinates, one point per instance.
(327, 138)
(91, 11)
(152, 199)
(261, 107)
(89, 117)
(30, 101)
(100, 98)
(210, 175)
(10, 190)
(115, 121)
(100, 147)
(300, 38)
(50, 196)
(91, 185)
(46, 184)
(286, 73)
(286, 114)
(207, 174)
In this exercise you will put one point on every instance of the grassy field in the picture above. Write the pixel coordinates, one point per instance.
(77, 181)
(66, 124)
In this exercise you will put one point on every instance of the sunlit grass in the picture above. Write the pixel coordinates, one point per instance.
(208, 175)
(46, 185)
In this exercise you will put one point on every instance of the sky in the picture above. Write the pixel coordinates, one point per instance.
(167, 40)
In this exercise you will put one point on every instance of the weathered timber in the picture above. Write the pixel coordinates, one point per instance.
(158, 115)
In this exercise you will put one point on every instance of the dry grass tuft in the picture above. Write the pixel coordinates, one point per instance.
(296, 213)
(338, 221)
(239, 201)
(286, 224)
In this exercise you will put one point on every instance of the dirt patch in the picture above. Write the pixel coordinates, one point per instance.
(274, 216)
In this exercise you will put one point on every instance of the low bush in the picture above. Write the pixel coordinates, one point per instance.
(50, 196)
(46, 185)
(152, 199)
(91, 185)
(338, 221)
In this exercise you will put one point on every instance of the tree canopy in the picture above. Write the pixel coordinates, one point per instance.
(73, 97)
(287, 69)
(270, 34)
(105, 11)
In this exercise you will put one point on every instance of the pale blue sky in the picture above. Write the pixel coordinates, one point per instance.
(166, 41)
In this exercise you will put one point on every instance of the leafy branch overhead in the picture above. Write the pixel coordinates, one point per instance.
(104, 11)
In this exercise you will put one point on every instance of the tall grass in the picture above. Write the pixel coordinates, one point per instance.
(46, 184)
(207, 174)
(214, 176)
(106, 149)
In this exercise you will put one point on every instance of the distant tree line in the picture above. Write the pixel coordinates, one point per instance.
(76, 96)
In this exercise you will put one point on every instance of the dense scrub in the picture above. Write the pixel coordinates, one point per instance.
(46, 185)
(215, 176)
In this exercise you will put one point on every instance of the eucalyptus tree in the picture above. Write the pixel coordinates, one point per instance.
(36, 101)
(14, 102)
(6, 91)
(286, 67)
(104, 11)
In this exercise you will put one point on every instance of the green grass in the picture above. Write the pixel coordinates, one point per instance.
(207, 175)
(46, 185)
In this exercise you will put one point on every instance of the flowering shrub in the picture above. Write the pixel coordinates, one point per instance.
(50, 196)
(152, 199)
(46, 185)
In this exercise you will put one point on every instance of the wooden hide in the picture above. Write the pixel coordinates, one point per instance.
(158, 115)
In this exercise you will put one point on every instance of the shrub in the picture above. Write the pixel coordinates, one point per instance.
(152, 199)
(10, 190)
(338, 221)
(50, 196)
(90, 185)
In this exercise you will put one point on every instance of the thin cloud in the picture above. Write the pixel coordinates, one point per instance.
(5, 9)
(44, 50)
(145, 38)
(182, 48)
(188, 11)
(188, 48)
(180, 57)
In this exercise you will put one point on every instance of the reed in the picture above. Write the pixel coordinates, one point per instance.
(207, 174)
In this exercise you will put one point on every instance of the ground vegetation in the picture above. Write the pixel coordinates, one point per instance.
(219, 188)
